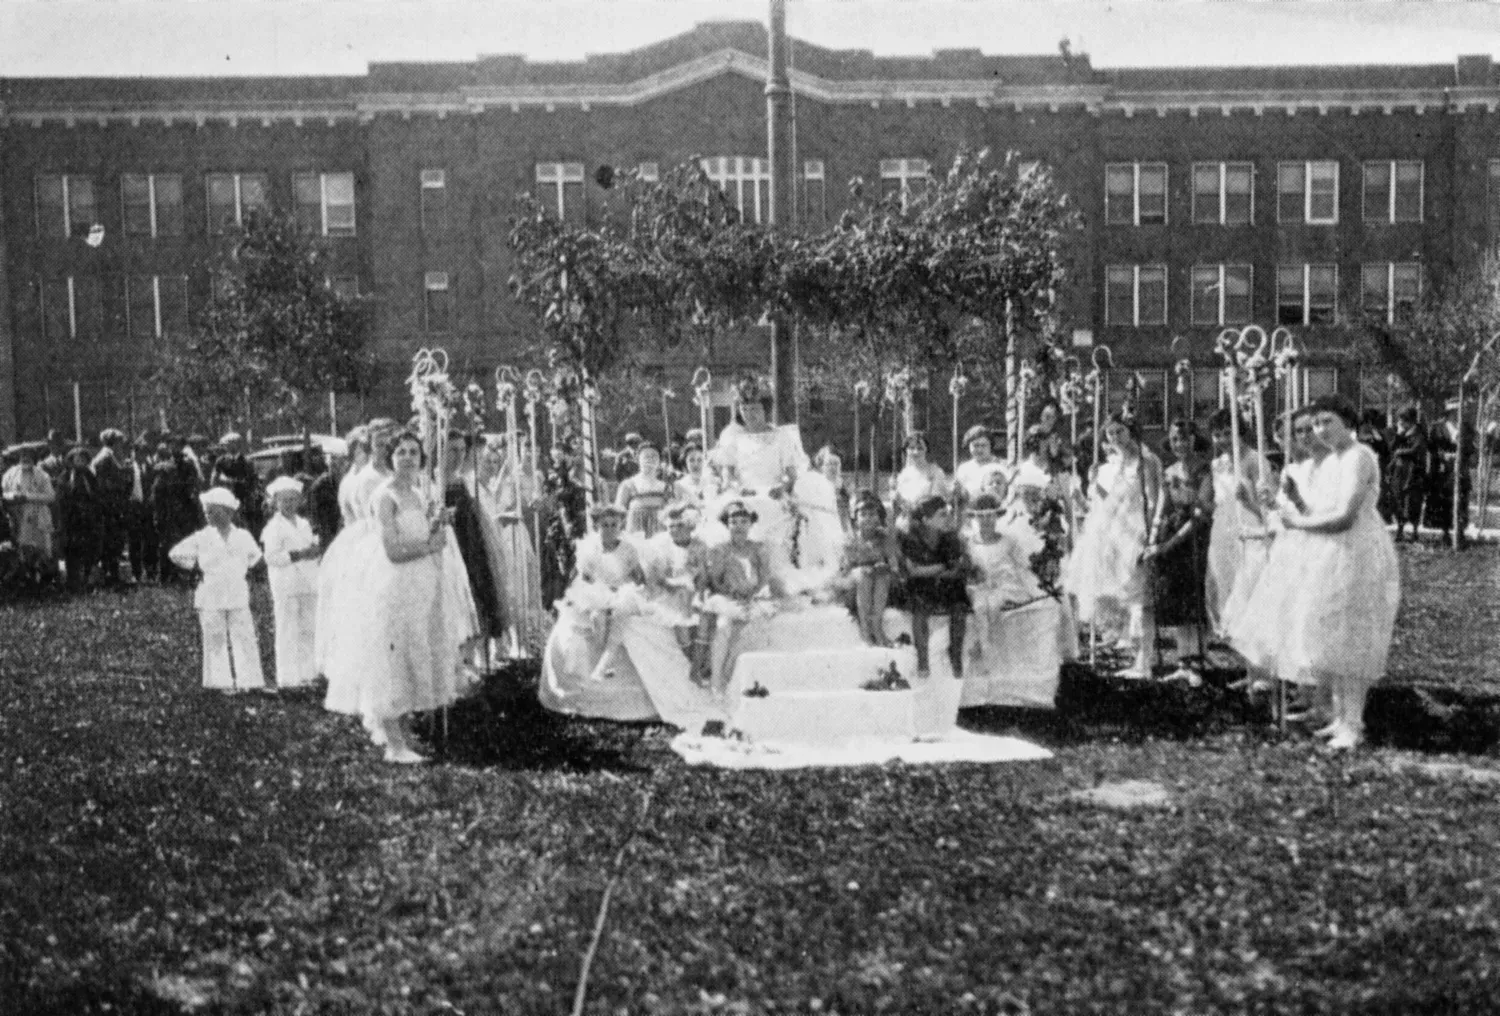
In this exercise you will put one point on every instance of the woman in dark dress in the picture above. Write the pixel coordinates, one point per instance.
(78, 495)
(1407, 477)
(1178, 551)
(469, 535)
(174, 504)
(936, 571)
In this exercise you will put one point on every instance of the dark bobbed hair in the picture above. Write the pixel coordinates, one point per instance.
(1338, 406)
(737, 508)
(868, 502)
(927, 507)
(398, 438)
(1129, 422)
(916, 437)
(979, 430)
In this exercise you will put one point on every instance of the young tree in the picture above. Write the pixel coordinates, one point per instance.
(273, 340)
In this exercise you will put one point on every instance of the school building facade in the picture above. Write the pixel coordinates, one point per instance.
(1210, 197)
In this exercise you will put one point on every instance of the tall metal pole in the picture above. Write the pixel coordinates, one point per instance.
(782, 210)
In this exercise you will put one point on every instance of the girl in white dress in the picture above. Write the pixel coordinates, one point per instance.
(292, 552)
(1344, 609)
(504, 500)
(919, 479)
(974, 475)
(409, 652)
(643, 495)
(341, 586)
(1258, 614)
(1105, 571)
(1234, 541)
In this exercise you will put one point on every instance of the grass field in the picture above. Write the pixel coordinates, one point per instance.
(167, 850)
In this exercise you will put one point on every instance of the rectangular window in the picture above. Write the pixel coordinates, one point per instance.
(1307, 192)
(1223, 193)
(1389, 292)
(649, 172)
(156, 306)
(1318, 382)
(1221, 294)
(814, 195)
(439, 303)
(88, 308)
(746, 180)
(1393, 192)
(1306, 294)
(1135, 193)
(434, 202)
(560, 187)
(324, 203)
(1151, 409)
(1208, 392)
(151, 204)
(232, 197)
(904, 177)
(59, 310)
(1135, 295)
(64, 206)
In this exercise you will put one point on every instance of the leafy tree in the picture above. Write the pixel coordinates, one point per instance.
(273, 340)
(1432, 349)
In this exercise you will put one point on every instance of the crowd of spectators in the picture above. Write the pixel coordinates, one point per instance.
(80, 517)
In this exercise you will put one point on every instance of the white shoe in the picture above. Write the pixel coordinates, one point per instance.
(1347, 739)
(1186, 675)
(1135, 674)
(404, 756)
(1330, 730)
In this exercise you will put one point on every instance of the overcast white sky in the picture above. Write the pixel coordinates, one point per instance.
(162, 37)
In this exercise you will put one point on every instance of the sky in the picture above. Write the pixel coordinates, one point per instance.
(290, 37)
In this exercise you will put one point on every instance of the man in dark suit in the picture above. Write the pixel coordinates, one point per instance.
(233, 469)
(1446, 444)
(113, 482)
(140, 528)
(78, 497)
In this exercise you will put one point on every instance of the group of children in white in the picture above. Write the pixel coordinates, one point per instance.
(678, 578)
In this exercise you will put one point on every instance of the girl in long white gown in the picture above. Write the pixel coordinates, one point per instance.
(341, 584)
(409, 649)
(503, 500)
(1234, 540)
(610, 656)
(766, 468)
(1344, 609)
(1011, 647)
(1259, 610)
(1105, 571)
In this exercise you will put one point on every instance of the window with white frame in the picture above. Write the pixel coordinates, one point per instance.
(151, 204)
(1317, 382)
(814, 194)
(1135, 193)
(1389, 291)
(1223, 193)
(1308, 192)
(65, 205)
(433, 198)
(232, 196)
(1306, 294)
(324, 203)
(560, 188)
(156, 306)
(1221, 294)
(747, 182)
(72, 308)
(1135, 295)
(438, 303)
(904, 177)
(1207, 393)
(1393, 191)
(649, 172)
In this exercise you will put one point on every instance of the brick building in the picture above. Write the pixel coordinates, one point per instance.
(1210, 196)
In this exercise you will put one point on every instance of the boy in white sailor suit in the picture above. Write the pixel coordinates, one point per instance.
(222, 553)
(292, 551)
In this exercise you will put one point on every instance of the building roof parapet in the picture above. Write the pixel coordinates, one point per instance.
(110, 111)
(1386, 100)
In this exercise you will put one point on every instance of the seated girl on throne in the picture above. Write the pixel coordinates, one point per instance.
(765, 467)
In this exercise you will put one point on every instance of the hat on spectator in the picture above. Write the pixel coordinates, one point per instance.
(110, 435)
(283, 484)
(219, 497)
(231, 436)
